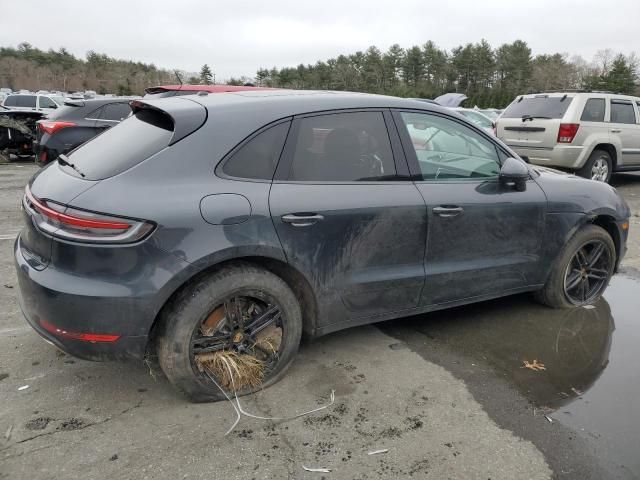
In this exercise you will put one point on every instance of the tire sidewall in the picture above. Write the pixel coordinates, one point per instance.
(554, 289)
(595, 155)
(198, 300)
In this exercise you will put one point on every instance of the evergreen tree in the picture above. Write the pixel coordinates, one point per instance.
(206, 77)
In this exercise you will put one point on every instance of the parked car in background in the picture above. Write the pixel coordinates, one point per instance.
(30, 102)
(178, 90)
(75, 123)
(59, 99)
(226, 225)
(478, 119)
(451, 100)
(591, 133)
(492, 113)
(17, 131)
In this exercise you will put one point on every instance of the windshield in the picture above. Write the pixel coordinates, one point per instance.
(492, 114)
(541, 106)
(477, 118)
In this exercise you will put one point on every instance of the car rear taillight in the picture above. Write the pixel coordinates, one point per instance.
(567, 132)
(52, 127)
(43, 156)
(83, 226)
(84, 337)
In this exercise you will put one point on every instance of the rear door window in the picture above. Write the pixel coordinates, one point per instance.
(622, 112)
(46, 102)
(116, 112)
(541, 106)
(343, 147)
(257, 159)
(25, 101)
(123, 146)
(593, 110)
(95, 114)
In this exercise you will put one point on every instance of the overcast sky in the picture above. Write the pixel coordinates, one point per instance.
(236, 38)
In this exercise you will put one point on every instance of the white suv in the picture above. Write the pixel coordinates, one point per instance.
(591, 133)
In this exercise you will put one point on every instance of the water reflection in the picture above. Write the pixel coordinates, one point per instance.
(573, 344)
(591, 375)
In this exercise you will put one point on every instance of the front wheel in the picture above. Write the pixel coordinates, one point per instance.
(237, 329)
(582, 272)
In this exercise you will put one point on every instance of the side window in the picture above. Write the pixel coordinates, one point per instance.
(116, 111)
(448, 150)
(622, 112)
(96, 114)
(343, 147)
(46, 102)
(26, 101)
(257, 159)
(593, 110)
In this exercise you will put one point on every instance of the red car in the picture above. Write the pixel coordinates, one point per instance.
(174, 90)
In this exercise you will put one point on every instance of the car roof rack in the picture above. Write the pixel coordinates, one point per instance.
(577, 90)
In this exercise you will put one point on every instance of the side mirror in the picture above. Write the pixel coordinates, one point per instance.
(514, 172)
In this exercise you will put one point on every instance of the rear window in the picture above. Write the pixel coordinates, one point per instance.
(541, 107)
(26, 101)
(123, 146)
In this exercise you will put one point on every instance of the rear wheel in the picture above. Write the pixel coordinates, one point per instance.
(239, 327)
(582, 273)
(598, 167)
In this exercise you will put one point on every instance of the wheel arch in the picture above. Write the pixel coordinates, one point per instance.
(298, 283)
(611, 149)
(608, 223)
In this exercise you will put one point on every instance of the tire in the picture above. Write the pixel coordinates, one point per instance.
(598, 167)
(184, 317)
(554, 293)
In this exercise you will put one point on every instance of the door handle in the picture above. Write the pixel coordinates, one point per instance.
(616, 130)
(301, 220)
(448, 211)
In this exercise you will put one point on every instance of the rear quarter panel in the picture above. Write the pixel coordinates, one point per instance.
(167, 189)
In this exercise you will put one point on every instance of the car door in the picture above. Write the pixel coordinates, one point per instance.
(46, 104)
(348, 217)
(623, 125)
(484, 238)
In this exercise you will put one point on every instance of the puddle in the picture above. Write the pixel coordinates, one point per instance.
(591, 355)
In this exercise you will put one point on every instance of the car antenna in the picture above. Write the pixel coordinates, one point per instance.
(175, 72)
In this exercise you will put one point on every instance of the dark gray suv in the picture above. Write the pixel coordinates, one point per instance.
(217, 229)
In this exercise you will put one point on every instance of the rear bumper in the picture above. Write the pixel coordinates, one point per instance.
(45, 297)
(565, 156)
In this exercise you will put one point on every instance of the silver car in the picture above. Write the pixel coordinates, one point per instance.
(590, 133)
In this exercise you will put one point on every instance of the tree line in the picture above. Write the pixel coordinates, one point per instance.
(27, 67)
(489, 77)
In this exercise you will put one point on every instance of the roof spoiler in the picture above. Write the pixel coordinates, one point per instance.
(185, 116)
(74, 103)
